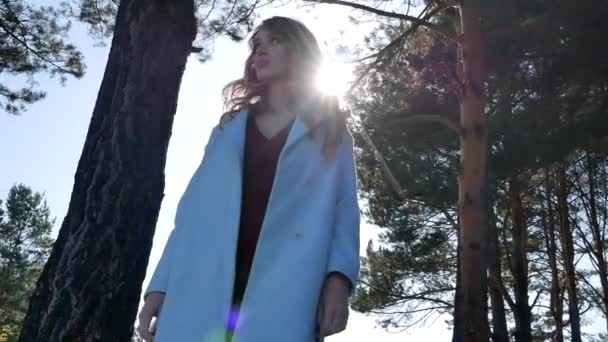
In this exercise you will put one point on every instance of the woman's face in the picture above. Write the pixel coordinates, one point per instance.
(270, 58)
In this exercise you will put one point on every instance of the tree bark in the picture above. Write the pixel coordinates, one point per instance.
(519, 264)
(90, 287)
(500, 332)
(568, 252)
(599, 249)
(458, 332)
(556, 307)
(473, 167)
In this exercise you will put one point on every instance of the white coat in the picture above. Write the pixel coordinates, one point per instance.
(311, 228)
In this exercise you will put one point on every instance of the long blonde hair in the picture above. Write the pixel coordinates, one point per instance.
(306, 58)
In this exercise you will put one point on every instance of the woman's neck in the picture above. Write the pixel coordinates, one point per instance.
(279, 100)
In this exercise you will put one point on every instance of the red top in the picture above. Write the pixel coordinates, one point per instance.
(259, 166)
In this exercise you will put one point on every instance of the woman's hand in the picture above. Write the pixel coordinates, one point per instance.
(152, 307)
(332, 313)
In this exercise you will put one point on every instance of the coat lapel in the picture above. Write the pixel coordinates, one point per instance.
(234, 131)
(300, 130)
(236, 128)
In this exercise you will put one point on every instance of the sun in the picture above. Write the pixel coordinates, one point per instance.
(334, 79)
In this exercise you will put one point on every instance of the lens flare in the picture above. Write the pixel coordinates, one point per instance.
(233, 319)
(334, 79)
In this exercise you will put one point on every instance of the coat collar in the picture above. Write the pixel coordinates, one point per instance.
(235, 131)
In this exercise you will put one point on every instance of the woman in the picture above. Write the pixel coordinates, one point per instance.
(266, 238)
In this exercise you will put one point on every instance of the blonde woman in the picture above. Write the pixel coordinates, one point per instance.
(266, 240)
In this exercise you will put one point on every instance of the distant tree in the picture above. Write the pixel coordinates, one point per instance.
(25, 242)
(589, 178)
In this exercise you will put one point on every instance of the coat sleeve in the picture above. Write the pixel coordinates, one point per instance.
(344, 247)
(160, 278)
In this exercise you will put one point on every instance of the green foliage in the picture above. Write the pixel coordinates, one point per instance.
(231, 18)
(547, 102)
(8, 333)
(411, 276)
(33, 41)
(25, 243)
(99, 15)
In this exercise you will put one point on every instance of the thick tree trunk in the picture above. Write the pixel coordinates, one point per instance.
(599, 249)
(90, 287)
(473, 168)
(500, 332)
(556, 301)
(519, 264)
(568, 252)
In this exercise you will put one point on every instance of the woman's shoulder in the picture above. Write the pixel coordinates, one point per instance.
(227, 117)
(227, 124)
(236, 112)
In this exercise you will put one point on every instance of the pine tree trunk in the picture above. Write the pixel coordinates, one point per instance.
(90, 287)
(458, 331)
(471, 178)
(599, 250)
(500, 332)
(568, 252)
(519, 264)
(556, 301)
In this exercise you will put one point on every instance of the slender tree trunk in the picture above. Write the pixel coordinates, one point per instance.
(500, 332)
(458, 332)
(556, 301)
(496, 286)
(519, 262)
(473, 168)
(90, 287)
(568, 252)
(599, 250)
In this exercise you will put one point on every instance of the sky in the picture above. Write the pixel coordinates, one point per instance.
(41, 148)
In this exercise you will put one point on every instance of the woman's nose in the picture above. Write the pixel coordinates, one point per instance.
(260, 50)
(262, 47)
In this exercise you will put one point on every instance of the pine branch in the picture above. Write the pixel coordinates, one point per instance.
(29, 48)
(395, 43)
(407, 312)
(393, 182)
(387, 14)
(536, 299)
(590, 286)
(428, 299)
(454, 126)
(507, 296)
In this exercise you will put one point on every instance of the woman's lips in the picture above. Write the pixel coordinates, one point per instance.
(260, 63)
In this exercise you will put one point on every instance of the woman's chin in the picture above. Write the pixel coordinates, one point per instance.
(270, 77)
(265, 79)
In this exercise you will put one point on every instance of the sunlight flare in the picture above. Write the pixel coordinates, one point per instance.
(334, 79)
